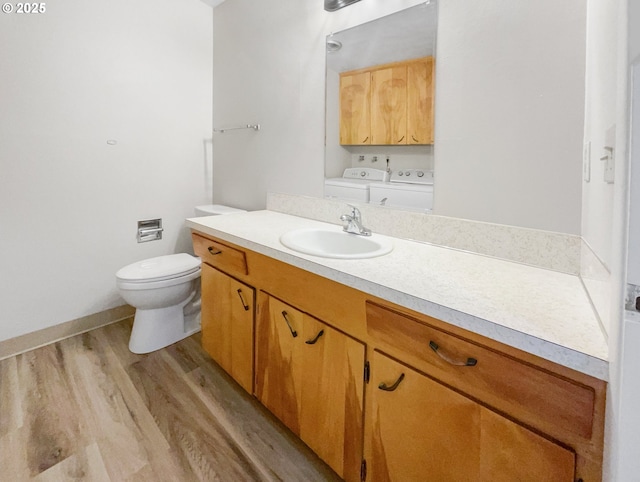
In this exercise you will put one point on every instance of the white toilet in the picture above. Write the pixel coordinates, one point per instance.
(166, 294)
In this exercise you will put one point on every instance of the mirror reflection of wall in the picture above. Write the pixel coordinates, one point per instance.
(509, 105)
(398, 49)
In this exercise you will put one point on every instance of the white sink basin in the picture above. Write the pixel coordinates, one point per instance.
(330, 243)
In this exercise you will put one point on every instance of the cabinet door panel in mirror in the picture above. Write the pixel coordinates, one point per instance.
(420, 100)
(355, 100)
(389, 106)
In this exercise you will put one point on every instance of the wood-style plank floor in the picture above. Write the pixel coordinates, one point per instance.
(86, 408)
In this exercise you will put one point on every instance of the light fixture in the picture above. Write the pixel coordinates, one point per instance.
(333, 5)
(333, 45)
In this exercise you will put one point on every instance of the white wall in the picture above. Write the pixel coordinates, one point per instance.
(600, 114)
(624, 398)
(509, 104)
(509, 112)
(72, 78)
(269, 59)
(601, 127)
(625, 356)
(634, 33)
(613, 48)
(604, 204)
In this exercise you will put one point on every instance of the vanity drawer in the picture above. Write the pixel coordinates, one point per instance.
(527, 392)
(218, 255)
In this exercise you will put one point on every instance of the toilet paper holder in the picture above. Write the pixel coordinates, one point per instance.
(149, 230)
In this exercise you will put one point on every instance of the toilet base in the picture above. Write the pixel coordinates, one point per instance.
(154, 329)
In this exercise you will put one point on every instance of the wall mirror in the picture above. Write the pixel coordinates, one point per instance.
(390, 40)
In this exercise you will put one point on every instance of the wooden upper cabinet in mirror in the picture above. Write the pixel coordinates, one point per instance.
(390, 104)
(355, 108)
(420, 98)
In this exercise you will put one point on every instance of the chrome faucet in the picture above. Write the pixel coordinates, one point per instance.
(353, 222)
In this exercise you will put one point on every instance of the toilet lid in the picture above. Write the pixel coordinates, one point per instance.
(162, 267)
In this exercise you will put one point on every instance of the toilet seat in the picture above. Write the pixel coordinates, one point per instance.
(159, 272)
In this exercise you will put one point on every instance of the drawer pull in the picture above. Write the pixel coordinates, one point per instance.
(244, 305)
(314, 340)
(294, 333)
(470, 362)
(213, 251)
(383, 386)
(400, 140)
(414, 139)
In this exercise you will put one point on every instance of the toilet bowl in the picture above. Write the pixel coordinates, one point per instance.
(165, 291)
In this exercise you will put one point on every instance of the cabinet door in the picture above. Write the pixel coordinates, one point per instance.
(389, 105)
(227, 324)
(419, 429)
(332, 396)
(278, 377)
(310, 376)
(420, 101)
(355, 105)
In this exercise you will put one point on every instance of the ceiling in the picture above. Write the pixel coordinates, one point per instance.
(213, 3)
(407, 34)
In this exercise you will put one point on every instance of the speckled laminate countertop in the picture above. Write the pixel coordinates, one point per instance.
(539, 311)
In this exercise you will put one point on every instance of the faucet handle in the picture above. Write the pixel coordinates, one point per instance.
(355, 212)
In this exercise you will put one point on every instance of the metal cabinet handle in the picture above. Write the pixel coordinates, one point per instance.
(314, 340)
(365, 139)
(383, 386)
(400, 140)
(294, 333)
(414, 139)
(470, 362)
(244, 305)
(213, 251)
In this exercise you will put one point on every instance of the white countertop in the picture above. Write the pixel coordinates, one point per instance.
(539, 311)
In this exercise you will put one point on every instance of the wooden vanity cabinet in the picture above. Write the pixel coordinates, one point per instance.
(521, 418)
(227, 324)
(228, 308)
(226, 258)
(467, 407)
(419, 429)
(310, 376)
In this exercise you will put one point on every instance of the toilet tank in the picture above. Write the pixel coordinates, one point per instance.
(216, 210)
